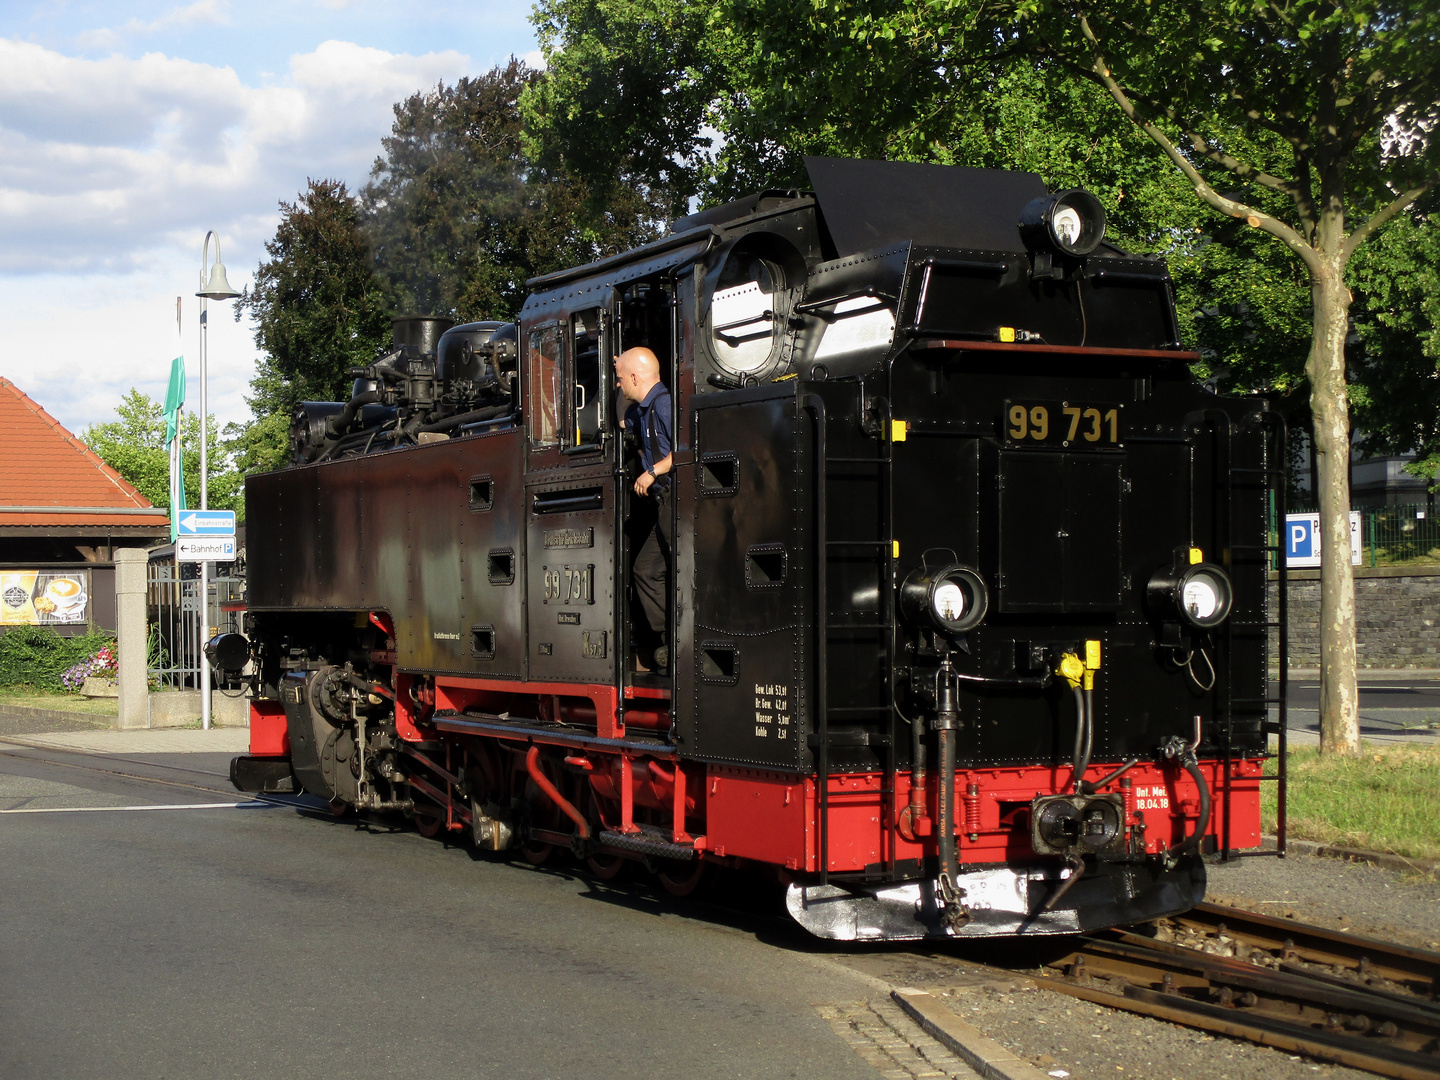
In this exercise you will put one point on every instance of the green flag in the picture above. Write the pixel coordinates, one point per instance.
(174, 399)
(174, 403)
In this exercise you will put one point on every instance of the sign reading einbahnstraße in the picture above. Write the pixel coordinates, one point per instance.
(215, 523)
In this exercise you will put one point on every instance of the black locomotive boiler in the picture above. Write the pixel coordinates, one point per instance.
(967, 610)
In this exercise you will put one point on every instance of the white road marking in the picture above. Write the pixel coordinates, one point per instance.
(162, 806)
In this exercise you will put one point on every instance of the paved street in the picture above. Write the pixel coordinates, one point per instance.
(259, 941)
(1395, 706)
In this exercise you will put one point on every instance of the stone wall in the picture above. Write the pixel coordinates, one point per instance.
(1397, 614)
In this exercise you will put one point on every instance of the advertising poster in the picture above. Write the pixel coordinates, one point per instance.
(41, 598)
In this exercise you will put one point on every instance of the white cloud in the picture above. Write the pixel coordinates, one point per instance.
(112, 169)
(202, 12)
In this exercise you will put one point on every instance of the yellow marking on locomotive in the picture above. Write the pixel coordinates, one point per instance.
(1196, 556)
(1092, 655)
(894, 549)
(1071, 669)
(1007, 333)
(898, 428)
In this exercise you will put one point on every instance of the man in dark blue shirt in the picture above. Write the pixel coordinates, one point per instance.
(637, 371)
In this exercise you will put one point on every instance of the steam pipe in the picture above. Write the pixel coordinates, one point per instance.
(1089, 787)
(946, 716)
(949, 863)
(917, 770)
(1077, 767)
(474, 416)
(1077, 868)
(532, 766)
(335, 425)
(1008, 682)
(1192, 842)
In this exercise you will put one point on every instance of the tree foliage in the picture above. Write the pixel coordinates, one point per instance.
(1307, 120)
(318, 310)
(134, 446)
(1396, 367)
(460, 217)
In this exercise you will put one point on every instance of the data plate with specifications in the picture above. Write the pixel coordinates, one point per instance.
(1094, 424)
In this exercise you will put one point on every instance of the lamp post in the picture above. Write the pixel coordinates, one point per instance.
(216, 288)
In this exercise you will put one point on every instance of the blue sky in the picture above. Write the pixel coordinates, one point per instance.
(128, 129)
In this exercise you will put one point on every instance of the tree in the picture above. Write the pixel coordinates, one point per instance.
(1351, 89)
(319, 312)
(1306, 120)
(134, 446)
(460, 217)
(1396, 361)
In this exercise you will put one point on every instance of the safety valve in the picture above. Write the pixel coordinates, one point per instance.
(953, 599)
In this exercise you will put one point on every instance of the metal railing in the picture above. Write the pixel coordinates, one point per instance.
(173, 615)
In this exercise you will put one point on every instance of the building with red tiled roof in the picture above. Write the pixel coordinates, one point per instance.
(58, 500)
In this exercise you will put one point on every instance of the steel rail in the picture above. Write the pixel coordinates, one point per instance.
(1418, 970)
(1274, 1002)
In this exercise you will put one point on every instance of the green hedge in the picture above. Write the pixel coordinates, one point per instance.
(37, 656)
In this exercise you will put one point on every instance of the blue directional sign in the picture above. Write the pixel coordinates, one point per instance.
(206, 523)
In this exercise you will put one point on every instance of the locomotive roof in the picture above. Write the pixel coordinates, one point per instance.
(868, 204)
(871, 204)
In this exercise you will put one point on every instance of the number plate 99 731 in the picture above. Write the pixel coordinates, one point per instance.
(1063, 423)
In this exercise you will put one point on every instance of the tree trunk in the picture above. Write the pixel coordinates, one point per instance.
(1329, 405)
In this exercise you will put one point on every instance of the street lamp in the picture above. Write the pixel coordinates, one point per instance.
(217, 288)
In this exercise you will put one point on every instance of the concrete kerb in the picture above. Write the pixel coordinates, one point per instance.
(1398, 863)
(984, 1055)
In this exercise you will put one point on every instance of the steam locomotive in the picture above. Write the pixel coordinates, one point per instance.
(967, 603)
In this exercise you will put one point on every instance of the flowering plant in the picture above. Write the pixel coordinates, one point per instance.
(102, 662)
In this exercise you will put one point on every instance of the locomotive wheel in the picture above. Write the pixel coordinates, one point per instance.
(535, 854)
(339, 808)
(606, 867)
(428, 824)
(680, 879)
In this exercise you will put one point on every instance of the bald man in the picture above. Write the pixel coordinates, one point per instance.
(637, 371)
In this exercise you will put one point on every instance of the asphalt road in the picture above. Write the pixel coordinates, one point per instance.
(264, 941)
(1394, 707)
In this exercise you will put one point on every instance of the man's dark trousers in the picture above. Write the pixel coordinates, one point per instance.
(652, 564)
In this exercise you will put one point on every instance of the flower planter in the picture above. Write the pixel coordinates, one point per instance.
(100, 686)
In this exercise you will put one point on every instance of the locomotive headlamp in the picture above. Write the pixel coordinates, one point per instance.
(1072, 223)
(1200, 595)
(953, 599)
(228, 652)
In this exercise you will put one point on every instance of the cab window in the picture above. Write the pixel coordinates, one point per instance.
(587, 380)
(545, 365)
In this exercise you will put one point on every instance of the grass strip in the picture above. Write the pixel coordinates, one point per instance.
(1383, 799)
(31, 698)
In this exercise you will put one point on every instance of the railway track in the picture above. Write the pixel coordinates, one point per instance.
(1332, 996)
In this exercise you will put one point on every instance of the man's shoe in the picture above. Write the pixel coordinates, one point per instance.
(662, 658)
